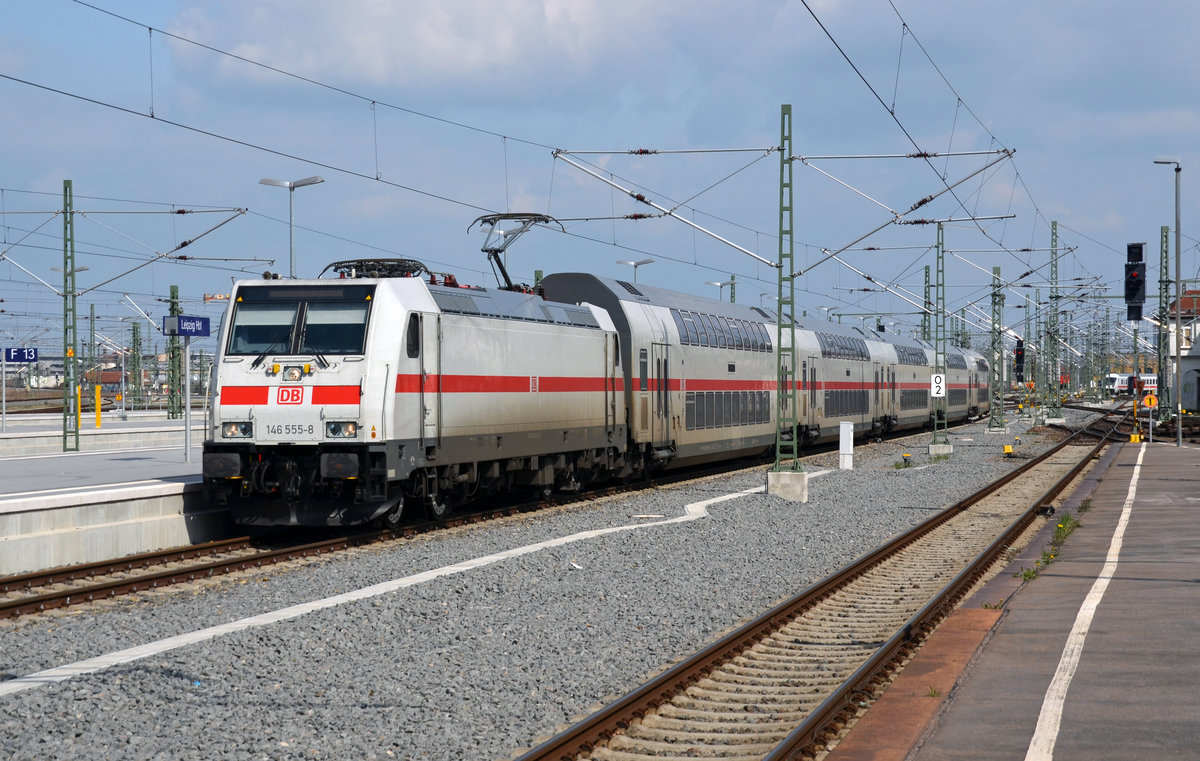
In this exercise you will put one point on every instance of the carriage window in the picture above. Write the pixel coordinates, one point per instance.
(726, 333)
(739, 338)
(679, 326)
(689, 323)
(702, 330)
(643, 367)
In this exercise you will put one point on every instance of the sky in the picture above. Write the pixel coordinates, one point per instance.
(424, 115)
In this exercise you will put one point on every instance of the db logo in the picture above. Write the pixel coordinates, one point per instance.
(290, 395)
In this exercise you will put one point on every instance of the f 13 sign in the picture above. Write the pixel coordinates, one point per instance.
(937, 385)
(20, 355)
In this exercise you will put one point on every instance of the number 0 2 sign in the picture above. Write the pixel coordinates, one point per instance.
(937, 385)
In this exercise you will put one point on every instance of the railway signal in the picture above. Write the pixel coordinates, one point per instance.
(1135, 281)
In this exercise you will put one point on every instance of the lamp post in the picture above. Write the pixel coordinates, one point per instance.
(635, 265)
(720, 287)
(291, 185)
(1178, 392)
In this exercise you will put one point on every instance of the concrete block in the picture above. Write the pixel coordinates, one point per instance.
(791, 485)
(940, 449)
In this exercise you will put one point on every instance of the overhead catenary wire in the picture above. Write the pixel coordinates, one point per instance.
(904, 32)
(642, 199)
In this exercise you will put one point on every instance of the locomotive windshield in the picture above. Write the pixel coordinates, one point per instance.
(283, 319)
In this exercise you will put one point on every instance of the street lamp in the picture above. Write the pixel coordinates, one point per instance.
(720, 286)
(635, 265)
(1178, 306)
(291, 185)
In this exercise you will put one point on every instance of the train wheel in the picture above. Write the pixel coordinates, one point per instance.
(392, 518)
(437, 507)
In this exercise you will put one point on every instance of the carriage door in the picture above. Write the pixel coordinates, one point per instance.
(431, 380)
(879, 390)
(660, 420)
(813, 410)
(885, 396)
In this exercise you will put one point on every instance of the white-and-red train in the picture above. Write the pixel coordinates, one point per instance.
(347, 400)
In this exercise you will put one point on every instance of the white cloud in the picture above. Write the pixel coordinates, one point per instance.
(423, 45)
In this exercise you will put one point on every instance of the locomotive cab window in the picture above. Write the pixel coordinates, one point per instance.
(285, 319)
(259, 328)
(334, 328)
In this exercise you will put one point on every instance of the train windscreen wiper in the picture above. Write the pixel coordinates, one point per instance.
(254, 365)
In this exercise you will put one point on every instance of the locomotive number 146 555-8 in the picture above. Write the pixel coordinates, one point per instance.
(290, 430)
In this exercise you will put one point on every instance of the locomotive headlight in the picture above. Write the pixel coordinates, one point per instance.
(293, 373)
(234, 430)
(336, 430)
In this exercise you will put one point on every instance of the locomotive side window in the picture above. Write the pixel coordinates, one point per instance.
(413, 337)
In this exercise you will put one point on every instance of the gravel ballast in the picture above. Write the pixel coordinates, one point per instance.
(477, 663)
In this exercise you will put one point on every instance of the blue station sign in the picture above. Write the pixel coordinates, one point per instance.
(183, 325)
(20, 355)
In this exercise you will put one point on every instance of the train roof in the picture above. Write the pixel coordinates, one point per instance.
(579, 287)
(510, 305)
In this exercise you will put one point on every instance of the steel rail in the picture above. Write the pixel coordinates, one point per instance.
(128, 563)
(582, 738)
(144, 582)
(840, 704)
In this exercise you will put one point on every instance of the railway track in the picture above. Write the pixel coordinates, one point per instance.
(73, 585)
(56, 588)
(782, 686)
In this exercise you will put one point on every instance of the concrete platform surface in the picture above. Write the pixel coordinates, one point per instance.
(127, 494)
(1097, 657)
(143, 447)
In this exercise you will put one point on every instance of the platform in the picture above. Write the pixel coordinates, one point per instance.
(1096, 657)
(127, 490)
